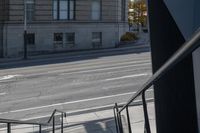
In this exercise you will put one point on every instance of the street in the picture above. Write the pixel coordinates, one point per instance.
(33, 90)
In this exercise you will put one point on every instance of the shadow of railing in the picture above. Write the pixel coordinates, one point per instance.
(106, 125)
(103, 126)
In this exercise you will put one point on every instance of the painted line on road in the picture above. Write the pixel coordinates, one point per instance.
(84, 110)
(104, 69)
(128, 76)
(71, 70)
(102, 64)
(2, 94)
(65, 103)
(9, 77)
(97, 66)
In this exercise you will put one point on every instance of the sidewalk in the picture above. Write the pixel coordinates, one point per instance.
(103, 121)
(71, 55)
(98, 122)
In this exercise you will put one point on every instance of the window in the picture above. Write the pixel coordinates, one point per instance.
(123, 9)
(97, 39)
(63, 9)
(30, 38)
(70, 39)
(58, 38)
(96, 9)
(29, 10)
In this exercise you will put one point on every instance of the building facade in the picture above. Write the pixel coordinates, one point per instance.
(3, 17)
(61, 25)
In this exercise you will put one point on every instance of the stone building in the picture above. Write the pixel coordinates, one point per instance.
(61, 25)
(3, 17)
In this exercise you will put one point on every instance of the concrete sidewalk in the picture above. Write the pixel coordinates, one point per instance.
(71, 55)
(103, 121)
(97, 122)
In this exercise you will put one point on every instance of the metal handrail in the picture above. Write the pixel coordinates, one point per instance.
(54, 112)
(52, 117)
(20, 122)
(9, 122)
(188, 47)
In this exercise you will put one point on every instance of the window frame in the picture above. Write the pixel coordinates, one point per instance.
(30, 11)
(123, 10)
(69, 10)
(28, 35)
(57, 42)
(66, 38)
(100, 11)
(97, 44)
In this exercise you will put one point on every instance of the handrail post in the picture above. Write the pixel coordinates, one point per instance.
(40, 128)
(53, 124)
(128, 119)
(119, 119)
(146, 117)
(62, 122)
(116, 119)
(120, 122)
(8, 127)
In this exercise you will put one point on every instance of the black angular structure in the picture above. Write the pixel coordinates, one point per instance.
(175, 99)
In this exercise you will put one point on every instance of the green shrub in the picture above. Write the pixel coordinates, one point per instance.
(128, 36)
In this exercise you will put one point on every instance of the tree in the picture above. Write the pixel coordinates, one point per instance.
(137, 13)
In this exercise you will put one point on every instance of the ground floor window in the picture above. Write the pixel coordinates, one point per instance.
(70, 39)
(30, 38)
(96, 39)
(58, 39)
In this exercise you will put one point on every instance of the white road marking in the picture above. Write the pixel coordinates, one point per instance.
(119, 86)
(8, 77)
(104, 69)
(82, 69)
(99, 65)
(2, 94)
(72, 102)
(83, 110)
(68, 65)
(128, 76)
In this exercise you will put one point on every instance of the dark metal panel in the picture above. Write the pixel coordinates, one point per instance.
(174, 93)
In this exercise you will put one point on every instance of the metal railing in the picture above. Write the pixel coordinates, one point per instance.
(9, 122)
(52, 118)
(188, 47)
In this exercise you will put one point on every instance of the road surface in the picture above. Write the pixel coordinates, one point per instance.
(33, 89)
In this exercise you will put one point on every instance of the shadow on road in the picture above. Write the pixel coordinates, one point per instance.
(71, 58)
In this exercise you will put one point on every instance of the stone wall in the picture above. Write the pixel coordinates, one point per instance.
(111, 10)
(3, 17)
(44, 35)
(44, 26)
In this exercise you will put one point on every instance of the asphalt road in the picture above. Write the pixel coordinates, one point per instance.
(33, 89)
